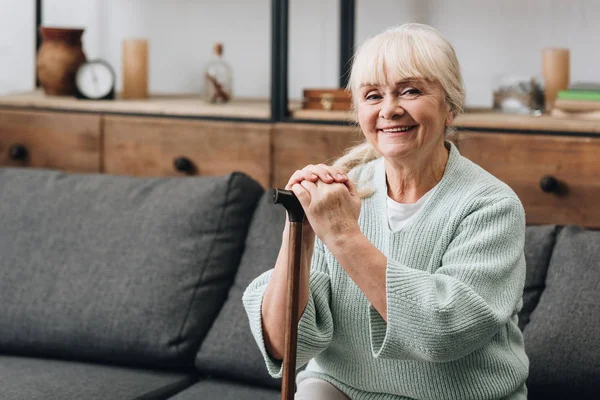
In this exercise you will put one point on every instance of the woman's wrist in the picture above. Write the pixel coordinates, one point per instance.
(340, 241)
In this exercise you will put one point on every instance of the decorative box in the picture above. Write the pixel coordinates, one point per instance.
(327, 99)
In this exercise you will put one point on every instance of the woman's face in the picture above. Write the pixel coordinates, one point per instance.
(403, 117)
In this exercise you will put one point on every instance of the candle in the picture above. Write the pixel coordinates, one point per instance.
(555, 70)
(135, 69)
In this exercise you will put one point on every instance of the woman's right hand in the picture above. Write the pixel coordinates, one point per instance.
(313, 173)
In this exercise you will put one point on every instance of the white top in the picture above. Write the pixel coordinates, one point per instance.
(400, 213)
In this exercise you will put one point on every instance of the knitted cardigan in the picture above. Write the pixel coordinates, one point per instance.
(454, 285)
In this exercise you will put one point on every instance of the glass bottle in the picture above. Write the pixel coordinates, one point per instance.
(217, 78)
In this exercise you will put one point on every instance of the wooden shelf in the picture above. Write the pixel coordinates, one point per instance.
(318, 115)
(259, 109)
(500, 121)
(157, 105)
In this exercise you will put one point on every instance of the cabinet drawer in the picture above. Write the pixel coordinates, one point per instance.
(158, 146)
(297, 145)
(533, 164)
(64, 141)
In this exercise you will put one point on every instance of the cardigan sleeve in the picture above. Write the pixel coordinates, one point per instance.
(445, 315)
(315, 327)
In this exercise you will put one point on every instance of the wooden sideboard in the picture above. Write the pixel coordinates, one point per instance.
(65, 141)
(557, 178)
(553, 166)
(145, 146)
(137, 146)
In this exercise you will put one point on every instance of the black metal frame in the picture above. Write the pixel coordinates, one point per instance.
(38, 35)
(279, 60)
(347, 20)
(279, 55)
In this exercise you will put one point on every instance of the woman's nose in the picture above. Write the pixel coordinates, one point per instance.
(390, 108)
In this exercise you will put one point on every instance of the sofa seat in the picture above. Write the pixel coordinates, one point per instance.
(23, 378)
(212, 389)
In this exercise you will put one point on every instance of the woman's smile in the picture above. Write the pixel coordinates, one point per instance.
(399, 130)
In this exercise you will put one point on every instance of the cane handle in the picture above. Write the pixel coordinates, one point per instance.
(290, 202)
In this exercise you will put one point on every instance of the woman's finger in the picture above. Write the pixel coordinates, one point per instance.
(310, 187)
(336, 173)
(313, 173)
(301, 175)
(302, 194)
(327, 173)
(322, 172)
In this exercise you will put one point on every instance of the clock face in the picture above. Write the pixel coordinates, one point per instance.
(95, 79)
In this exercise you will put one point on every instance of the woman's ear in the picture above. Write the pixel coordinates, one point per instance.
(450, 118)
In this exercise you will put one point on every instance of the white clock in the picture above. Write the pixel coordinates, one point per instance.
(95, 80)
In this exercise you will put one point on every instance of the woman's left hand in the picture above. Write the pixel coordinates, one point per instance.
(331, 208)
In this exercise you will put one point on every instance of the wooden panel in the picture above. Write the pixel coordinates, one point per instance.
(148, 146)
(297, 145)
(64, 141)
(522, 160)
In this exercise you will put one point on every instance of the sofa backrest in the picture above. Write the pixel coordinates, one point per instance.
(229, 350)
(561, 339)
(539, 243)
(117, 269)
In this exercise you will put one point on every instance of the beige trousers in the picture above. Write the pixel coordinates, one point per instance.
(318, 389)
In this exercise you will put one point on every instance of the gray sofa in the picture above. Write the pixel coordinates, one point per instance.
(130, 288)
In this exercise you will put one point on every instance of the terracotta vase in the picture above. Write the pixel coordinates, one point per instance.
(58, 59)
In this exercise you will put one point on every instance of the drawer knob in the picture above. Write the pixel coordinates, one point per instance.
(549, 184)
(18, 152)
(184, 164)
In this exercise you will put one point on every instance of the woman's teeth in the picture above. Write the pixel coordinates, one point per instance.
(402, 129)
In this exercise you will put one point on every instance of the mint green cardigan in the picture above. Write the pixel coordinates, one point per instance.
(454, 283)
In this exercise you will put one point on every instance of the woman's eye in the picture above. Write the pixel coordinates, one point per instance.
(372, 96)
(411, 92)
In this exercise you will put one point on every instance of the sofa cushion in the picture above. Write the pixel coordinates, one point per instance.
(117, 269)
(44, 379)
(223, 390)
(229, 349)
(561, 339)
(539, 243)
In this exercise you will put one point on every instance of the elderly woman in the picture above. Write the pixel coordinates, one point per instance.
(411, 287)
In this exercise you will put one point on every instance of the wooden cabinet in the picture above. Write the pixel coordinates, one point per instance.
(297, 145)
(55, 140)
(145, 146)
(557, 178)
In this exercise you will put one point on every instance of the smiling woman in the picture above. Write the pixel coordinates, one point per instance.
(405, 122)
(413, 265)
(405, 77)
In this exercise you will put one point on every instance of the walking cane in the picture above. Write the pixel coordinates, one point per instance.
(296, 217)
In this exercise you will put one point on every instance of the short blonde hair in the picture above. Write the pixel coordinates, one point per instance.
(411, 51)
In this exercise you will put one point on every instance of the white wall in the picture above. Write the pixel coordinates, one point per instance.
(313, 59)
(17, 45)
(492, 38)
